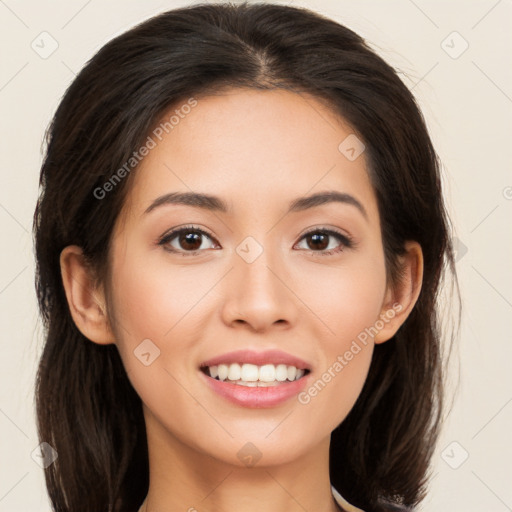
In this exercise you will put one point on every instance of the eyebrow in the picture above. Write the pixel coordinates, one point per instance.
(215, 204)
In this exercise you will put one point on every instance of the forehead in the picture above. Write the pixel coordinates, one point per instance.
(252, 148)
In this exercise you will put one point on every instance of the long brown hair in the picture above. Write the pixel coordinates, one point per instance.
(86, 407)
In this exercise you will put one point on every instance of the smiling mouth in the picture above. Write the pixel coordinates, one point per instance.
(250, 375)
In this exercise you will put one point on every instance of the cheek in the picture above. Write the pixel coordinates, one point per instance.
(152, 300)
(158, 309)
(348, 301)
(154, 311)
(346, 297)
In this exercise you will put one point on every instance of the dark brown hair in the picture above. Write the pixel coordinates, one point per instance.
(86, 407)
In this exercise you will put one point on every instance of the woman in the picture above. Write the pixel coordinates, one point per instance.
(240, 238)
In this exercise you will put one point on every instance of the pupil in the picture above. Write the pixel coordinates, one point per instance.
(316, 239)
(190, 238)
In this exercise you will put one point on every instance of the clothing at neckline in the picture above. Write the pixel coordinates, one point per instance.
(340, 500)
(343, 503)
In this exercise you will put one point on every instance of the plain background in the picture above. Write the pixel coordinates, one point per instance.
(466, 97)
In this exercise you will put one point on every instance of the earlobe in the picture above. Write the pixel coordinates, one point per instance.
(85, 302)
(402, 296)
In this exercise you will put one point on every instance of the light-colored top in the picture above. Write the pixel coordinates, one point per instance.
(343, 503)
(340, 500)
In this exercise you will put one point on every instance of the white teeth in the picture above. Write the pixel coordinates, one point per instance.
(223, 371)
(252, 375)
(268, 373)
(282, 372)
(249, 373)
(257, 384)
(235, 371)
(248, 384)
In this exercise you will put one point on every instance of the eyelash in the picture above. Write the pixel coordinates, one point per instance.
(346, 241)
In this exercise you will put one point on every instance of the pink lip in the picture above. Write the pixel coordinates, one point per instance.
(258, 358)
(257, 398)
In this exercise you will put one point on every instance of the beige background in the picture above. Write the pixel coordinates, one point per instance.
(466, 96)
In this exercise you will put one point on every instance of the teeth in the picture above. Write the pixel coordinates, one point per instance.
(282, 372)
(257, 384)
(251, 375)
(268, 373)
(234, 372)
(223, 371)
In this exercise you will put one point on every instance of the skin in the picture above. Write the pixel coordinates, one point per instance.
(257, 150)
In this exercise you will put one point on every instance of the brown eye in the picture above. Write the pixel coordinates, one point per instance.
(185, 240)
(319, 240)
(190, 241)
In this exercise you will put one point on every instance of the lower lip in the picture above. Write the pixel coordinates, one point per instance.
(258, 398)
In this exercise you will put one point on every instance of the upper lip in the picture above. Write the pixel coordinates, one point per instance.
(274, 357)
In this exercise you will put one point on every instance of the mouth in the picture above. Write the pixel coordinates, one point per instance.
(251, 375)
(255, 378)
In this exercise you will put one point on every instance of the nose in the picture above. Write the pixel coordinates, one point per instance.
(258, 296)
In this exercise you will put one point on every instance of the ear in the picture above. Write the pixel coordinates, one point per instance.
(86, 303)
(401, 296)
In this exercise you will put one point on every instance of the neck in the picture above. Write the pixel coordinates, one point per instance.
(182, 478)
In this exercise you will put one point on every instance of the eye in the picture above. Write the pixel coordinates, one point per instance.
(187, 240)
(318, 241)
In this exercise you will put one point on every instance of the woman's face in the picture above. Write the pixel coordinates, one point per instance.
(255, 281)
